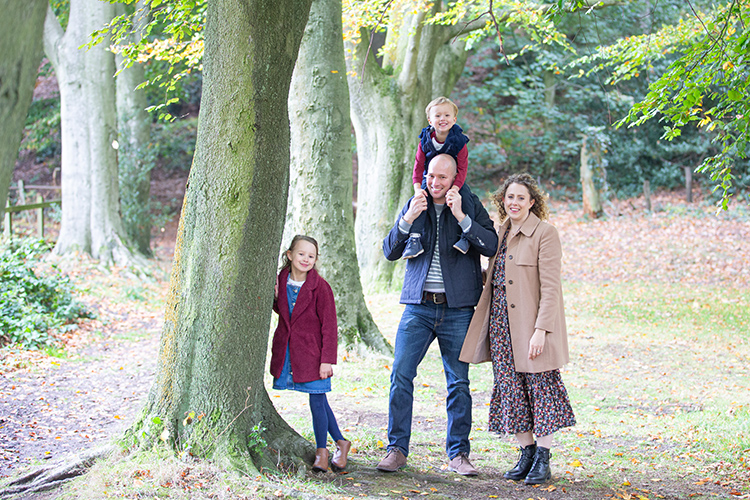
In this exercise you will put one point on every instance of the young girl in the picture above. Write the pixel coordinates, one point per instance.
(304, 344)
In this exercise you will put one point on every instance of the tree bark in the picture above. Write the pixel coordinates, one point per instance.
(134, 131)
(21, 27)
(688, 184)
(320, 188)
(387, 111)
(590, 158)
(215, 334)
(90, 195)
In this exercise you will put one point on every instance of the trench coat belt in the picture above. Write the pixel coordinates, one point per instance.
(436, 298)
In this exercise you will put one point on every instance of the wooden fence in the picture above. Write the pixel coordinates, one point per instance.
(39, 207)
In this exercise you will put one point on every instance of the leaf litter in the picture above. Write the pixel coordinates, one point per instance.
(50, 406)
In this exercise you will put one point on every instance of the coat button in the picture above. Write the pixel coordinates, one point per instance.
(510, 257)
(510, 282)
(512, 306)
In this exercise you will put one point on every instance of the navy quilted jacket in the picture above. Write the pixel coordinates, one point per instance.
(462, 274)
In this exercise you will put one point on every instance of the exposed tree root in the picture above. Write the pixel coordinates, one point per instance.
(47, 478)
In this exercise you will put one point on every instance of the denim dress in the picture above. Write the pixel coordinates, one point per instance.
(285, 380)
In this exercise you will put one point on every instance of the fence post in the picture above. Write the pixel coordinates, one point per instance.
(8, 226)
(40, 217)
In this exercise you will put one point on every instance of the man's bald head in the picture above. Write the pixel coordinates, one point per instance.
(446, 161)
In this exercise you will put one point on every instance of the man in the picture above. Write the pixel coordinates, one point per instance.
(441, 288)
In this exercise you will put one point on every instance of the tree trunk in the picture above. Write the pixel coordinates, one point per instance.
(320, 188)
(647, 194)
(134, 131)
(21, 26)
(688, 184)
(215, 334)
(90, 195)
(590, 158)
(388, 113)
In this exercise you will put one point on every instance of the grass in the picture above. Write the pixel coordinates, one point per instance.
(658, 378)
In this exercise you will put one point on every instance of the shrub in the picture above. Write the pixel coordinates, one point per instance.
(30, 305)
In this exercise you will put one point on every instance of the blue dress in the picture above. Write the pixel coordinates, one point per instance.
(285, 380)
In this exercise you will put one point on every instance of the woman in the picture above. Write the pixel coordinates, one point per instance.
(519, 325)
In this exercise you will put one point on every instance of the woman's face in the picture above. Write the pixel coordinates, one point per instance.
(517, 202)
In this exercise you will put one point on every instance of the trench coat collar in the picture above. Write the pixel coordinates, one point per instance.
(304, 298)
(528, 227)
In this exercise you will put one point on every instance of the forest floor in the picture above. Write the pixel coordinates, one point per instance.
(658, 307)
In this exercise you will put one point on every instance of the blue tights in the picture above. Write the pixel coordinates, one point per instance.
(324, 422)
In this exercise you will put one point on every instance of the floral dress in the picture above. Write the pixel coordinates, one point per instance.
(521, 402)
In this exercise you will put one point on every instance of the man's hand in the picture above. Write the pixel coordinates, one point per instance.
(453, 199)
(417, 206)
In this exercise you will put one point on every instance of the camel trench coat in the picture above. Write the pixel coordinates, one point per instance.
(534, 294)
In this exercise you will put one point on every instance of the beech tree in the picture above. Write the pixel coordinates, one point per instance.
(388, 98)
(90, 196)
(209, 394)
(320, 188)
(134, 131)
(21, 26)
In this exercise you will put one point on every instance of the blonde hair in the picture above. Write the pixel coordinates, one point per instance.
(539, 208)
(286, 263)
(437, 102)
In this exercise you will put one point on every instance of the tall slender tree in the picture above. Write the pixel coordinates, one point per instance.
(320, 188)
(90, 221)
(388, 97)
(21, 27)
(209, 390)
(134, 131)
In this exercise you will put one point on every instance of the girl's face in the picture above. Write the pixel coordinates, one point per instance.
(302, 257)
(517, 202)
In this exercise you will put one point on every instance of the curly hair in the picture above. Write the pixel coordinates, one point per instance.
(286, 263)
(539, 208)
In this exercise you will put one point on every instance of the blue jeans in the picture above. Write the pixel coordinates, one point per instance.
(420, 325)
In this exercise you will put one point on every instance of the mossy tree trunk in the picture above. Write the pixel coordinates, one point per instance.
(90, 194)
(21, 26)
(215, 334)
(591, 157)
(320, 187)
(134, 154)
(387, 110)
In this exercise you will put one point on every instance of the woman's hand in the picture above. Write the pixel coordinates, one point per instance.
(326, 370)
(536, 344)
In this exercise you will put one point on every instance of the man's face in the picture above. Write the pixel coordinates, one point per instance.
(440, 178)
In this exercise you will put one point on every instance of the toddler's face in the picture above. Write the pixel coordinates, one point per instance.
(442, 117)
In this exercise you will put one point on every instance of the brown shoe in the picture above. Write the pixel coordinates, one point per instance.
(342, 451)
(321, 460)
(393, 461)
(461, 465)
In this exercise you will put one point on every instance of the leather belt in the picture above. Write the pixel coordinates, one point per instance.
(435, 298)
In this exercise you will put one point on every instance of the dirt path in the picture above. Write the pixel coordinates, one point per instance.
(63, 406)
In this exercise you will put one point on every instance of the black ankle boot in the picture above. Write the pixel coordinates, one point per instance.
(525, 460)
(540, 471)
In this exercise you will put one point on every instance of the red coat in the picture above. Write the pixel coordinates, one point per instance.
(312, 332)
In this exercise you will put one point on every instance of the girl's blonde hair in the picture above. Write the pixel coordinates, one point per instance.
(286, 263)
(539, 208)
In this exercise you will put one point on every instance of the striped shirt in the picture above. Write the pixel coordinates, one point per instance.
(434, 282)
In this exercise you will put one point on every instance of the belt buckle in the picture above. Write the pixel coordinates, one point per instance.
(441, 296)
